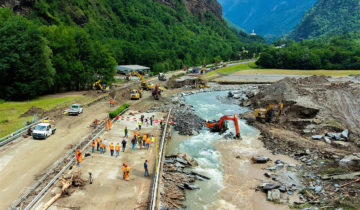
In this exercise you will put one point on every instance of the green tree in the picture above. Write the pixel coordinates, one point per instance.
(25, 65)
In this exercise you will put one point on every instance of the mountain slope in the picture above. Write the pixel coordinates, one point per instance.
(84, 39)
(270, 18)
(329, 17)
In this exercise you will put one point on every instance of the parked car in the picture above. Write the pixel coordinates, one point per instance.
(75, 109)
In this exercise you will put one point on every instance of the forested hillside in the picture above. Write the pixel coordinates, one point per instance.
(337, 52)
(269, 18)
(50, 46)
(329, 17)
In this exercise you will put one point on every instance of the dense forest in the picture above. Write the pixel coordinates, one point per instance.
(336, 52)
(55, 46)
(327, 18)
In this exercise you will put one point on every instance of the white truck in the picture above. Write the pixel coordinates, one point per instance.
(43, 130)
(75, 109)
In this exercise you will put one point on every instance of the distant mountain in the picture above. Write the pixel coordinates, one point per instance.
(269, 18)
(329, 17)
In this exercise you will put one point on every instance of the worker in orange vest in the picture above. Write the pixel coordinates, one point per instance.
(127, 173)
(93, 145)
(95, 123)
(109, 123)
(117, 149)
(144, 139)
(111, 149)
(148, 142)
(78, 157)
(101, 147)
(123, 170)
(97, 143)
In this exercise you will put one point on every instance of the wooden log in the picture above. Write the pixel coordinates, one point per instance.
(57, 196)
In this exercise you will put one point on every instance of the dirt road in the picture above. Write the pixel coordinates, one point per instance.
(26, 159)
(109, 190)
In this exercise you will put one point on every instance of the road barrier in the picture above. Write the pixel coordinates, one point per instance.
(17, 134)
(155, 187)
(49, 178)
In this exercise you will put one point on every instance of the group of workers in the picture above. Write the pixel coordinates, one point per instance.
(144, 141)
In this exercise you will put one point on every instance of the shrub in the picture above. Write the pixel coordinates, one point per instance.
(117, 111)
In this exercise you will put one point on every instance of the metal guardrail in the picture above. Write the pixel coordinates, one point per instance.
(155, 187)
(92, 136)
(17, 134)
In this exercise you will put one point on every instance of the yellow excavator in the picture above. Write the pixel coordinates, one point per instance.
(144, 85)
(268, 113)
(101, 87)
(203, 84)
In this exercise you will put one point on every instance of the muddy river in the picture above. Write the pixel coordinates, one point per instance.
(233, 180)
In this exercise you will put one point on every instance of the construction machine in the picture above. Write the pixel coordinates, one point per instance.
(156, 92)
(268, 113)
(135, 94)
(162, 77)
(220, 126)
(101, 87)
(203, 84)
(144, 85)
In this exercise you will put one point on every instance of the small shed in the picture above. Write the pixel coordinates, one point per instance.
(126, 69)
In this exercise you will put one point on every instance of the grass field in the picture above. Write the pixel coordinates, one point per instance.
(251, 68)
(10, 112)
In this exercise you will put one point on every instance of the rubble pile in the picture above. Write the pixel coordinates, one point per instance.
(176, 178)
(186, 121)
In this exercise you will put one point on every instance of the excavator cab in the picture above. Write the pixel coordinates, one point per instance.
(268, 113)
(221, 125)
(101, 87)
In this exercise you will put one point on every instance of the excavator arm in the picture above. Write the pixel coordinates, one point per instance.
(219, 126)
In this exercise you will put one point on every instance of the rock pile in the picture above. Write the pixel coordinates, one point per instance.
(176, 178)
(186, 121)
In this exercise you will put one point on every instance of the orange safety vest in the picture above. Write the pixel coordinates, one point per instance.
(144, 137)
(148, 140)
(93, 144)
(98, 140)
(136, 133)
(101, 145)
(111, 147)
(117, 147)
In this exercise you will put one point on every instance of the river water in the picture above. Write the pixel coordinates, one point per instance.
(202, 148)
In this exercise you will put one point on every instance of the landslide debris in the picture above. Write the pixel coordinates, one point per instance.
(319, 127)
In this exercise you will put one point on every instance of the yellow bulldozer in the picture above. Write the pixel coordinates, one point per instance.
(101, 87)
(203, 84)
(144, 85)
(269, 113)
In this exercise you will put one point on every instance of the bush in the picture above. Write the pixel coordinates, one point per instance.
(117, 111)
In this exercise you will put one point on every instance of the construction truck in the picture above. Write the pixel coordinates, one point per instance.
(43, 130)
(220, 126)
(156, 92)
(268, 113)
(162, 77)
(101, 87)
(135, 94)
(144, 85)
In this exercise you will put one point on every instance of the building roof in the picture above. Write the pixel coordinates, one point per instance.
(127, 68)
